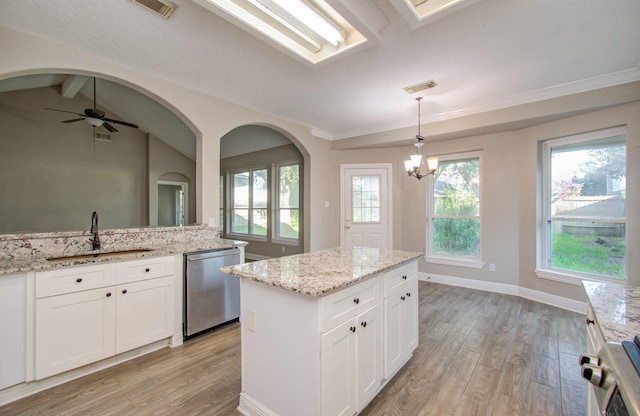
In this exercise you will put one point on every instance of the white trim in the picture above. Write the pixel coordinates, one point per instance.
(523, 292)
(573, 279)
(459, 262)
(248, 406)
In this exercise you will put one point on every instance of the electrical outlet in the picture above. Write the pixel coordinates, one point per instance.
(251, 321)
(492, 267)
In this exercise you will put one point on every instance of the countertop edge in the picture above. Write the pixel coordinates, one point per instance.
(25, 264)
(327, 288)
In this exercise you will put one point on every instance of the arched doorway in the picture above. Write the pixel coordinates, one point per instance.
(262, 192)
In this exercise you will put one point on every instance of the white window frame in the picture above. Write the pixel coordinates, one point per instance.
(454, 260)
(544, 269)
(248, 236)
(275, 217)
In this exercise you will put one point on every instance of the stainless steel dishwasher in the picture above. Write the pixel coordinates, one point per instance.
(211, 297)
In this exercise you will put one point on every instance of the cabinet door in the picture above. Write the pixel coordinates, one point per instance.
(13, 327)
(368, 354)
(401, 328)
(393, 323)
(337, 370)
(410, 320)
(73, 330)
(144, 313)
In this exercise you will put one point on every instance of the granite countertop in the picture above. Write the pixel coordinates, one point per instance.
(10, 264)
(616, 308)
(322, 272)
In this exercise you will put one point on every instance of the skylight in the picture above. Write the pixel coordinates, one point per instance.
(308, 29)
(421, 12)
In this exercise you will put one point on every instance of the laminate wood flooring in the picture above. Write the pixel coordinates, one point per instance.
(480, 353)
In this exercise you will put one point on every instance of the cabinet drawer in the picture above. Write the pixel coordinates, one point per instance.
(400, 277)
(74, 279)
(347, 303)
(132, 271)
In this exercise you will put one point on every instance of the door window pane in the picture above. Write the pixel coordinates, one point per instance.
(365, 199)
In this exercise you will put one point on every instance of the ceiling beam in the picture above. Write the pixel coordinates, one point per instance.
(72, 84)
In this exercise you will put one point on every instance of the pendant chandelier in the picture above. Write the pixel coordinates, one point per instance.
(414, 164)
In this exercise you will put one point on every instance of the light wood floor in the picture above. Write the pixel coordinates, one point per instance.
(480, 353)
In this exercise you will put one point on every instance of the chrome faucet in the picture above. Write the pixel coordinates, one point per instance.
(95, 240)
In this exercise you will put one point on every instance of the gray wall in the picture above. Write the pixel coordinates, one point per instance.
(53, 175)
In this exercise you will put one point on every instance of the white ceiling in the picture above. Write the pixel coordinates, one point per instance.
(490, 55)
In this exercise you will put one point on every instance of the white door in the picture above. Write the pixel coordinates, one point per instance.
(366, 206)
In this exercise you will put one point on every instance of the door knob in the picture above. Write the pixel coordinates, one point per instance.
(348, 224)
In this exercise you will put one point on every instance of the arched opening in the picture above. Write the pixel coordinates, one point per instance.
(262, 191)
(75, 168)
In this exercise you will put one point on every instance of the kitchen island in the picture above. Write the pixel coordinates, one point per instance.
(323, 332)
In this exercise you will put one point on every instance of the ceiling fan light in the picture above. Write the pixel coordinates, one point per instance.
(95, 122)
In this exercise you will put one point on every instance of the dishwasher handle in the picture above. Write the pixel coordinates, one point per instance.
(212, 254)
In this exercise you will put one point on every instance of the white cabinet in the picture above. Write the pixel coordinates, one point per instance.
(331, 348)
(351, 363)
(401, 317)
(13, 330)
(88, 313)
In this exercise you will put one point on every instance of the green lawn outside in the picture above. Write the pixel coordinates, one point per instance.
(603, 256)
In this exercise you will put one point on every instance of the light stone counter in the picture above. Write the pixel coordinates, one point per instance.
(616, 308)
(322, 272)
(29, 252)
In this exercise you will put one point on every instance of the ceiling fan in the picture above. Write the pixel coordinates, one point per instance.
(94, 116)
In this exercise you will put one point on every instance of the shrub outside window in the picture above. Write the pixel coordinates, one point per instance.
(584, 203)
(454, 209)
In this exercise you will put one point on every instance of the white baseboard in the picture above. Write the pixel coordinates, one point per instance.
(250, 407)
(523, 292)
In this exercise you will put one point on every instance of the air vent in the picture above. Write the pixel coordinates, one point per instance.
(162, 7)
(103, 137)
(420, 87)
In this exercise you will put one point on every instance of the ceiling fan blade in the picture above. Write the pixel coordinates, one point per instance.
(64, 111)
(73, 120)
(110, 127)
(124, 123)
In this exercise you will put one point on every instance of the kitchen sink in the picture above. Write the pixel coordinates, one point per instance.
(102, 254)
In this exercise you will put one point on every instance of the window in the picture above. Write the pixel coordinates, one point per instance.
(454, 221)
(584, 206)
(249, 204)
(288, 202)
(365, 199)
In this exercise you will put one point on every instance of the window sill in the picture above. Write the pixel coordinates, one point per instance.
(246, 237)
(471, 264)
(286, 241)
(572, 279)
